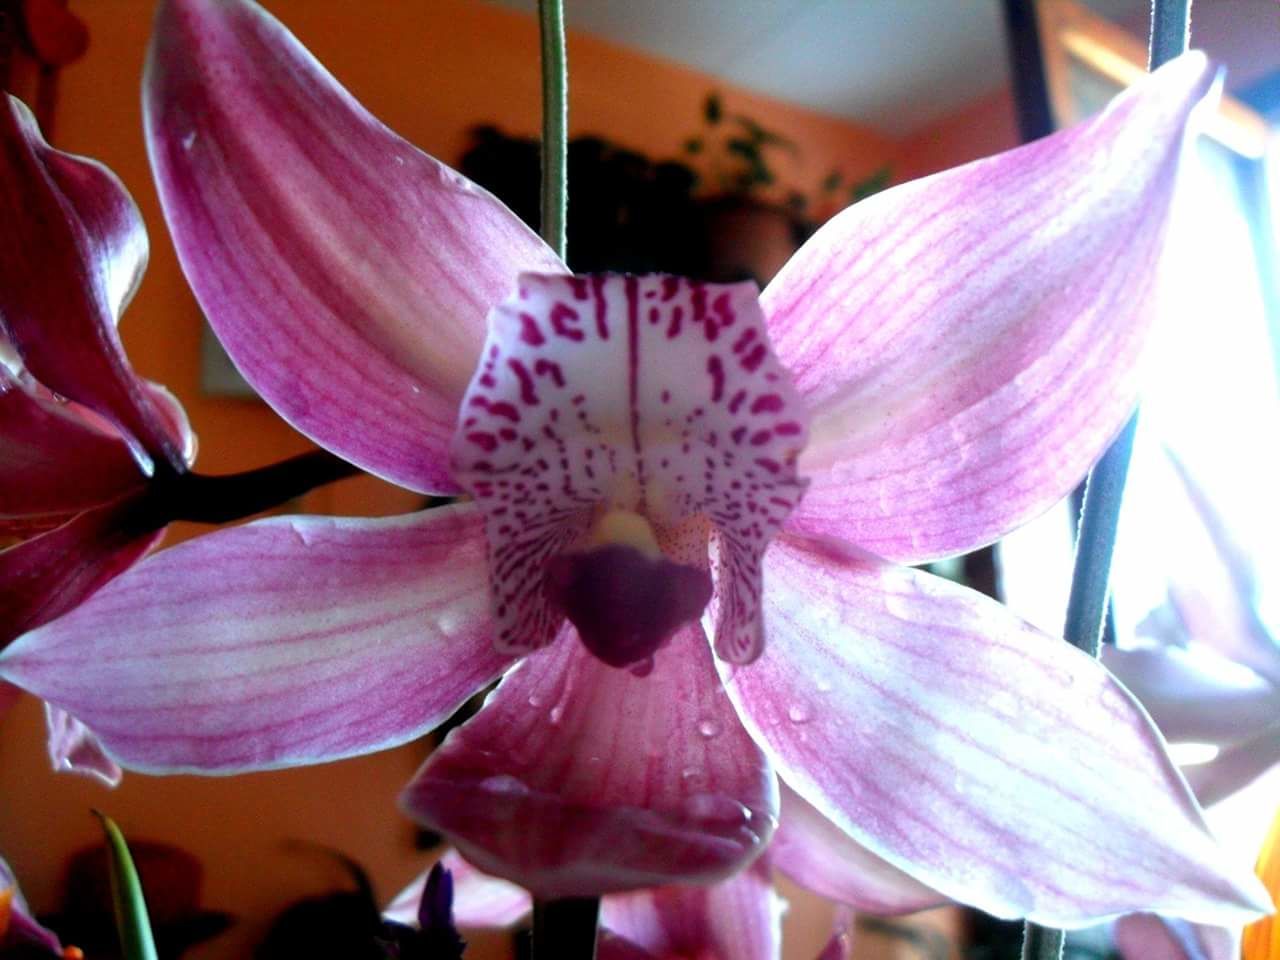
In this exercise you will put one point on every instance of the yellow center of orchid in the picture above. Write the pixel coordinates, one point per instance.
(622, 528)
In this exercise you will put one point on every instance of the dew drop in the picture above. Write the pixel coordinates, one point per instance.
(504, 784)
(798, 713)
(824, 685)
(717, 806)
(708, 729)
(556, 714)
(535, 700)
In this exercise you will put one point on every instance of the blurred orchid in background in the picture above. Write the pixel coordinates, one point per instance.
(956, 351)
(20, 934)
(738, 918)
(82, 434)
(82, 437)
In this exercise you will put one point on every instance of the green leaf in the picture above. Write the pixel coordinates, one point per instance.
(132, 922)
(713, 110)
(764, 136)
(870, 185)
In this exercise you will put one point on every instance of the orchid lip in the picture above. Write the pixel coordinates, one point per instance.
(652, 398)
(625, 604)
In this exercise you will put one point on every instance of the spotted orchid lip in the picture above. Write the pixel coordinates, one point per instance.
(651, 394)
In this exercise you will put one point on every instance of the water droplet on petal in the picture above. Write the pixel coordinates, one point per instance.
(798, 713)
(708, 729)
(824, 686)
(642, 668)
(505, 784)
(717, 806)
(556, 714)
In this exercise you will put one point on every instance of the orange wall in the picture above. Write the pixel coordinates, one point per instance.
(984, 127)
(431, 70)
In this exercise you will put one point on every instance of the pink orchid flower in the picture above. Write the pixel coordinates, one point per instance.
(956, 352)
(18, 929)
(81, 435)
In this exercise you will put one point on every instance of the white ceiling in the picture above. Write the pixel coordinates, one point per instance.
(895, 65)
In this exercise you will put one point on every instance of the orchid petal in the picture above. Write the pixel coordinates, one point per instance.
(1145, 936)
(738, 918)
(577, 778)
(1004, 768)
(1235, 767)
(52, 462)
(653, 395)
(44, 577)
(1193, 695)
(347, 273)
(818, 855)
(72, 253)
(73, 747)
(1213, 585)
(17, 926)
(479, 900)
(317, 638)
(967, 342)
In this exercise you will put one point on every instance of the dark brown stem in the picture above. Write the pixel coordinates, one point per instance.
(221, 499)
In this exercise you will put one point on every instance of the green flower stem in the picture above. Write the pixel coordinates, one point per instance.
(1100, 515)
(555, 123)
(565, 929)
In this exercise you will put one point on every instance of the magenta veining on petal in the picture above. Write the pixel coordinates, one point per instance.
(652, 398)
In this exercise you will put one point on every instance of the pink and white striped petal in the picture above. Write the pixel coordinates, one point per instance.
(479, 900)
(74, 748)
(44, 577)
(738, 918)
(968, 342)
(818, 855)
(318, 638)
(577, 779)
(347, 273)
(995, 764)
(1145, 936)
(71, 254)
(654, 395)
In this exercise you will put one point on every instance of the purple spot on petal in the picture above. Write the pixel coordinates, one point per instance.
(716, 370)
(529, 331)
(767, 403)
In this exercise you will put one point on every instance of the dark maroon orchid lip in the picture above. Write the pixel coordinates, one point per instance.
(624, 604)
